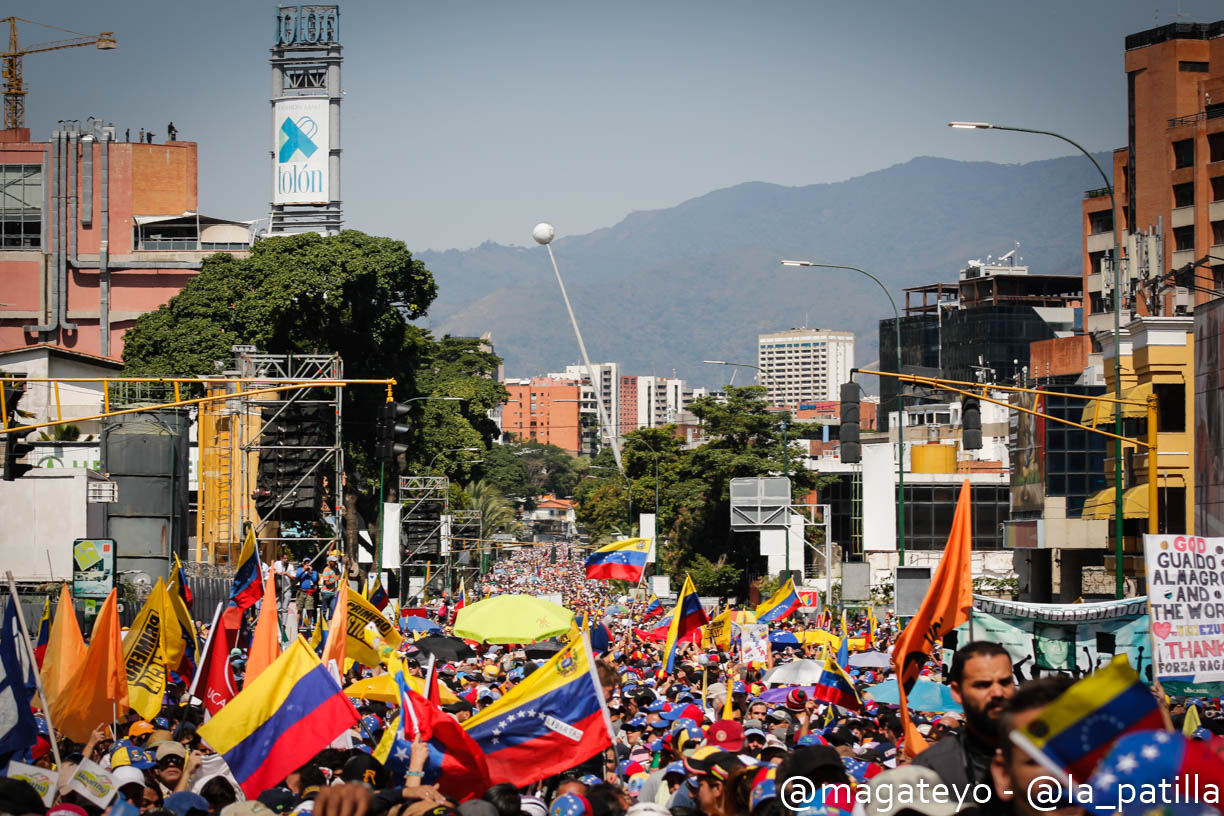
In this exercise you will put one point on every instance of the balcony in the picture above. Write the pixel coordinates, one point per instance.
(1182, 217)
(1099, 242)
(1215, 211)
(1181, 258)
(1094, 283)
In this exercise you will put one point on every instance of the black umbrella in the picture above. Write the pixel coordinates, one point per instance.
(544, 648)
(445, 648)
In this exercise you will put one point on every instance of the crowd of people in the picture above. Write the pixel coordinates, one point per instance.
(711, 737)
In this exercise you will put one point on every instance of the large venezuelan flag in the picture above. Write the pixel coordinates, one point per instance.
(687, 616)
(247, 587)
(783, 602)
(552, 721)
(624, 560)
(277, 723)
(1076, 730)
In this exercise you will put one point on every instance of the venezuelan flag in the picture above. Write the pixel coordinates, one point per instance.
(835, 687)
(653, 609)
(843, 650)
(550, 722)
(687, 617)
(275, 725)
(624, 560)
(44, 633)
(179, 597)
(462, 600)
(1076, 730)
(378, 595)
(248, 586)
(783, 602)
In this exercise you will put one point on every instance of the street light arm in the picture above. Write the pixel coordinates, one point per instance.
(879, 282)
(1072, 142)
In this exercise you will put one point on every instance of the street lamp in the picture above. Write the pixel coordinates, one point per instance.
(543, 234)
(900, 400)
(785, 447)
(1117, 304)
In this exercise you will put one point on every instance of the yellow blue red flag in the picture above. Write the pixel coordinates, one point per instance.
(686, 617)
(781, 604)
(552, 721)
(293, 710)
(624, 560)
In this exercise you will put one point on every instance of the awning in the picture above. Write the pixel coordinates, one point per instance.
(1104, 411)
(1101, 505)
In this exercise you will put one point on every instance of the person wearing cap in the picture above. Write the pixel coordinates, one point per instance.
(329, 583)
(186, 803)
(308, 587)
(981, 681)
(170, 758)
(754, 737)
(712, 766)
(139, 731)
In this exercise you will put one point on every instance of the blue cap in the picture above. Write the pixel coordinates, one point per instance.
(683, 723)
(657, 705)
(162, 723)
(637, 722)
(765, 789)
(41, 722)
(675, 767)
(590, 780)
(656, 745)
(739, 688)
(184, 802)
(124, 752)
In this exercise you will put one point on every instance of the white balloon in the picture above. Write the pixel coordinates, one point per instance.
(543, 232)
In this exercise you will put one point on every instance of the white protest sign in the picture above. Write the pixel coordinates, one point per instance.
(40, 779)
(755, 643)
(1185, 576)
(92, 782)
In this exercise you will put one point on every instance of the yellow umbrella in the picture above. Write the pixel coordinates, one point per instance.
(383, 689)
(512, 619)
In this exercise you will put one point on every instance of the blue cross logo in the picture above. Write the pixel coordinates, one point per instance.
(294, 138)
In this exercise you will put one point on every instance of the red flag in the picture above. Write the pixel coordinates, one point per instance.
(214, 680)
(456, 762)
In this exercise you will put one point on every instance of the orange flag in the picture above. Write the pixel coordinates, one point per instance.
(945, 607)
(65, 648)
(265, 643)
(337, 628)
(98, 692)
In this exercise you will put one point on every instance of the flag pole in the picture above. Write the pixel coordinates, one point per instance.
(42, 694)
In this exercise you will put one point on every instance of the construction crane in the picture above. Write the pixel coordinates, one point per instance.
(14, 87)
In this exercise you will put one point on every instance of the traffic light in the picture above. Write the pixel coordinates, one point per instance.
(290, 479)
(14, 445)
(390, 432)
(851, 449)
(971, 424)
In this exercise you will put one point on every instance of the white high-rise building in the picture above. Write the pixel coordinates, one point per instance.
(608, 377)
(804, 365)
(660, 400)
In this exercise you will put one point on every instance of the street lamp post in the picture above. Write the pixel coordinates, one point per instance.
(543, 234)
(900, 400)
(785, 448)
(1117, 310)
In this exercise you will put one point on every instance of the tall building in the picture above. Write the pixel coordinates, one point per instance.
(804, 365)
(549, 411)
(96, 231)
(608, 375)
(1169, 180)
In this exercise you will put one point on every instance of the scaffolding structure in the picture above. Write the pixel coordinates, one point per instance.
(425, 505)
(235, 435)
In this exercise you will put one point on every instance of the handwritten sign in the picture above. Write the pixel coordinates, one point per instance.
(1185, 577)
(755, 641)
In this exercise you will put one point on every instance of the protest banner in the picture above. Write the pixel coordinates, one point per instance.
(1185, 576)
(40, 779)
(755, 642)
(93, 783)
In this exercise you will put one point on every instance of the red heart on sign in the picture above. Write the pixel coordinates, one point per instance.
(1162, 629)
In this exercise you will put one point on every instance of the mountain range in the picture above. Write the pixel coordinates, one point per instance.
(665, 289)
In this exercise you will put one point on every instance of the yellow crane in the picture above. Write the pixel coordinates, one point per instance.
(14, 87)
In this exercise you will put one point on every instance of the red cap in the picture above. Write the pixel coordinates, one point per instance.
(727, 735)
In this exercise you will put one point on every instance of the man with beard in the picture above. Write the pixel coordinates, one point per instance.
(981, 681)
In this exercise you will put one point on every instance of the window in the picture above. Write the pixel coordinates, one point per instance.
(1183, 153)
(1192, 67)
(1215, 146)
(1217, 233)
(1217, 188)
(1171, 405)
(1099, 222)
(1183, 238)
(21, 206)
(1183, 194)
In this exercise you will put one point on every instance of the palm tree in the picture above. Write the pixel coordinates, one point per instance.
(496, 513)
(64, 433)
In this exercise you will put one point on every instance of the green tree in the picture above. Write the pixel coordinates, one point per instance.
(714, 578)
(496, 512)
(352, 294)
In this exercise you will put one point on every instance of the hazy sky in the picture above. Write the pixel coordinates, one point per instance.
(471, 121)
